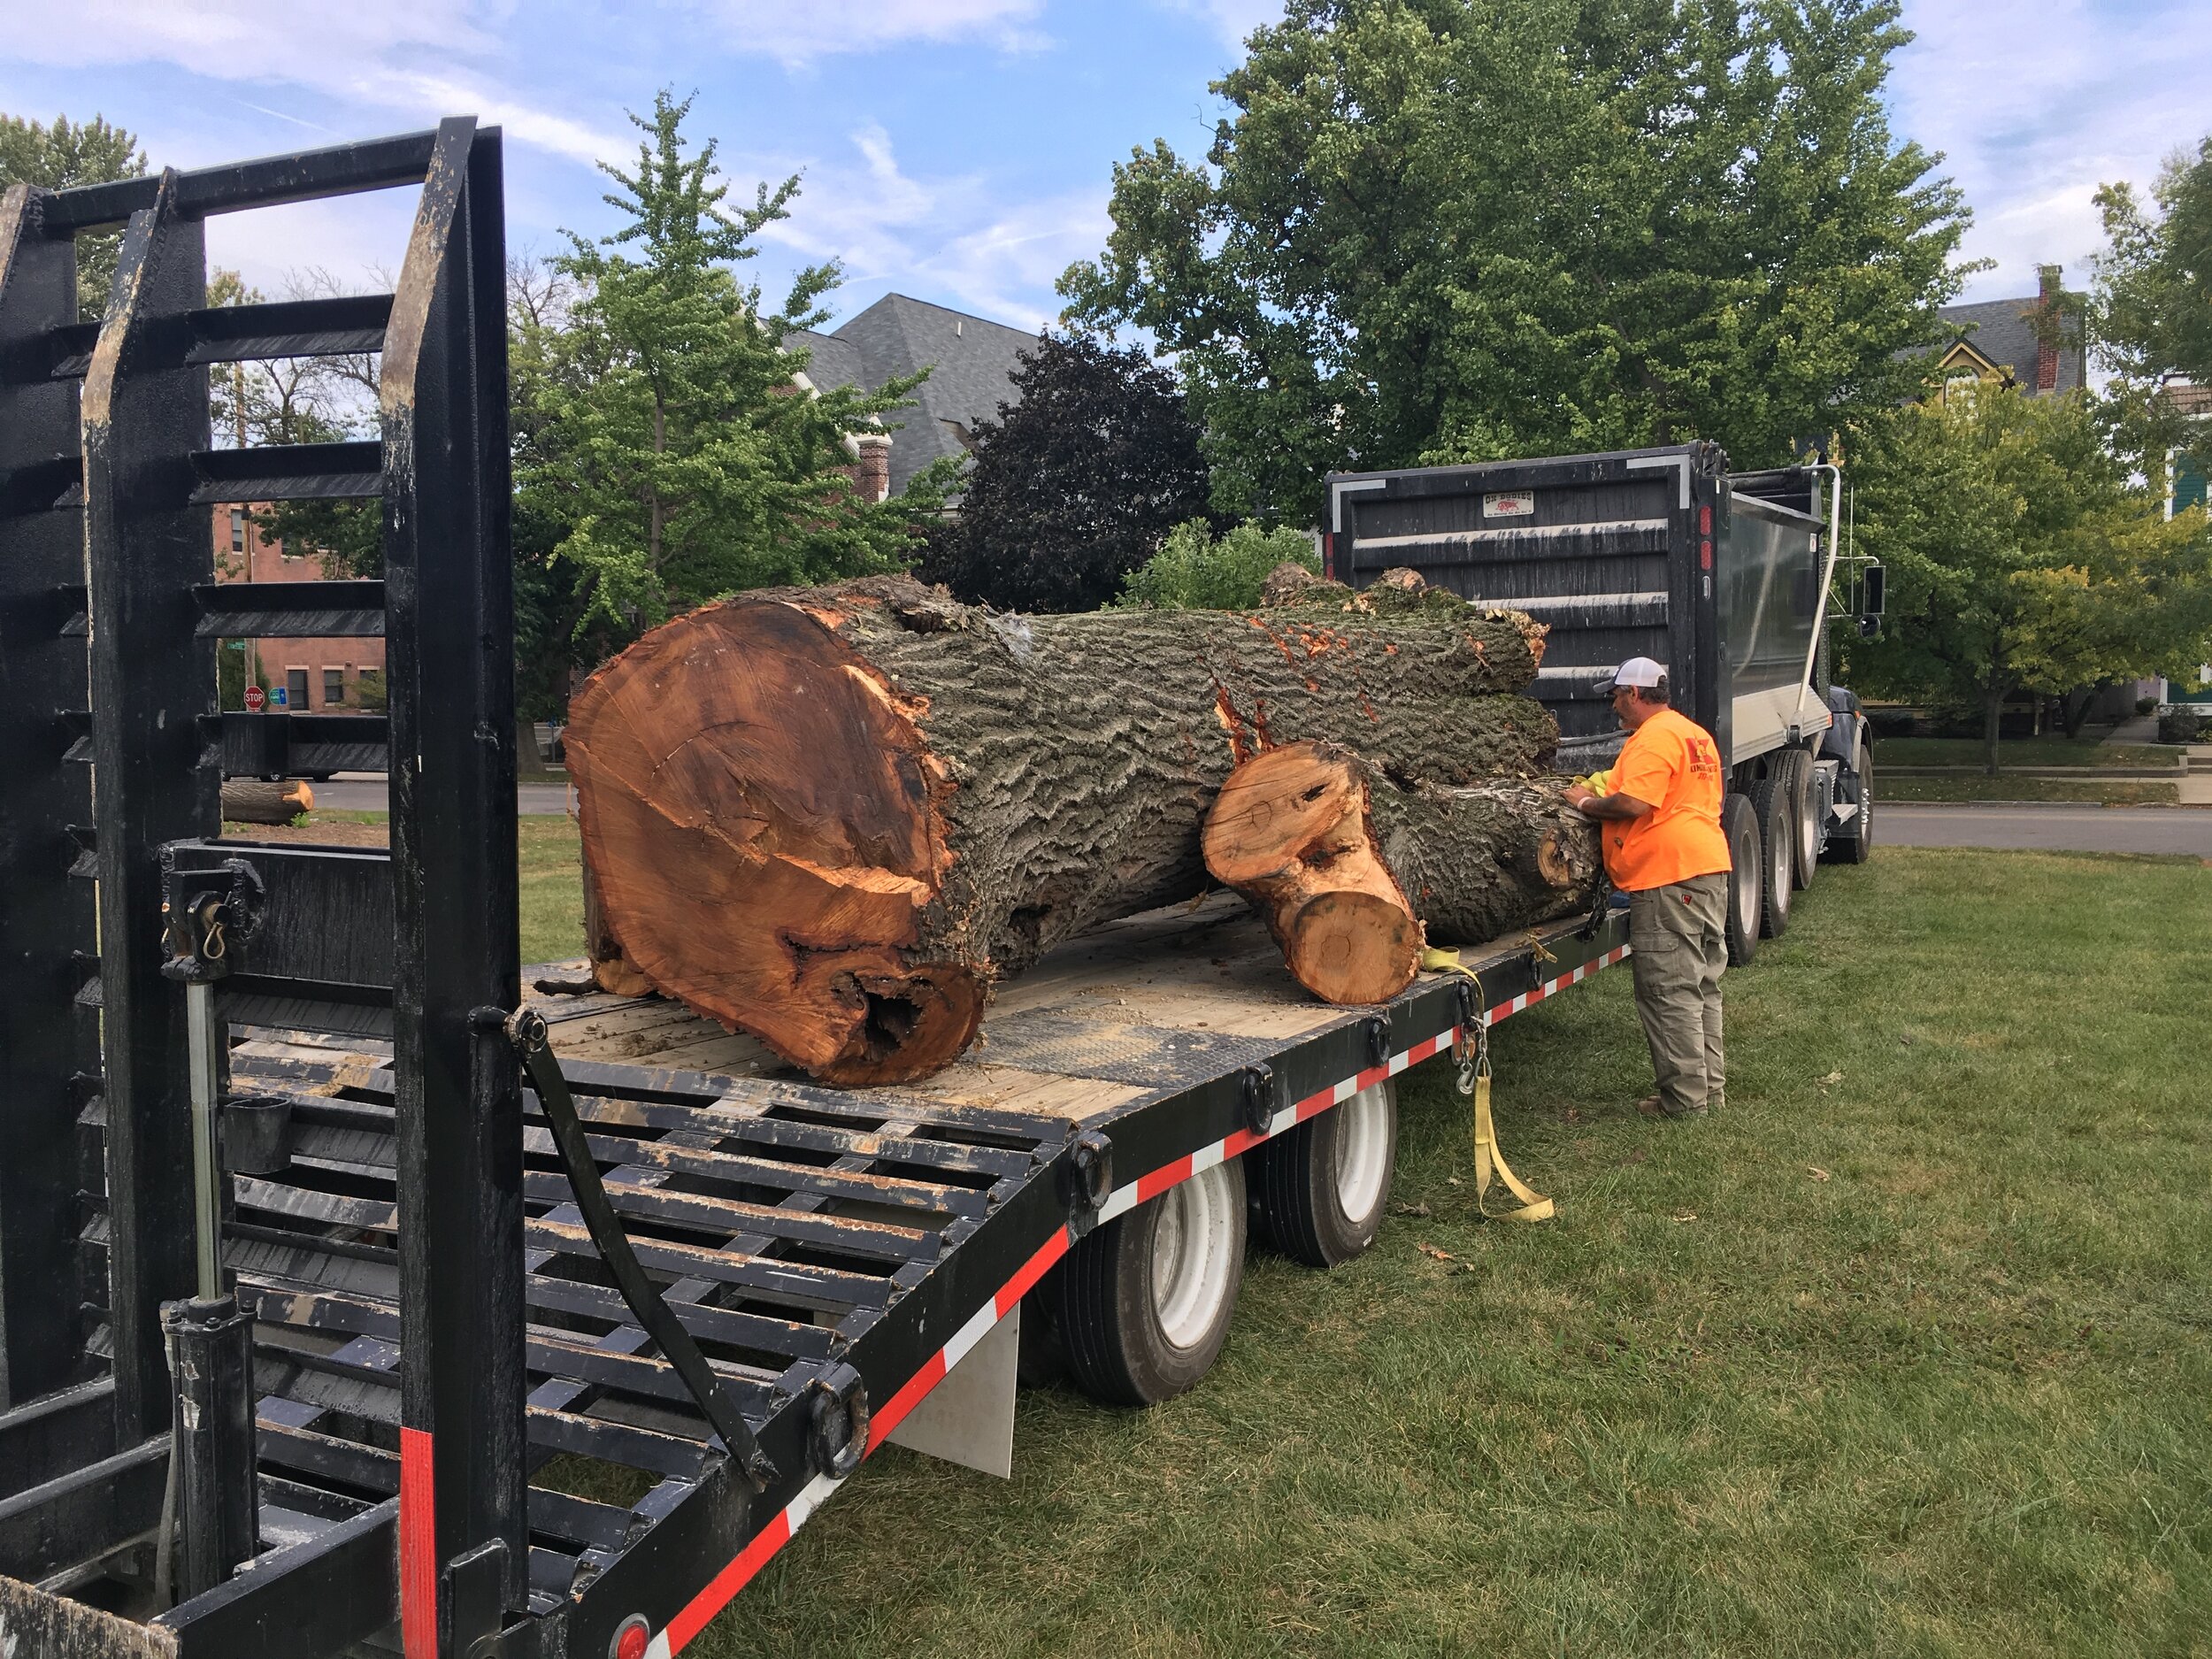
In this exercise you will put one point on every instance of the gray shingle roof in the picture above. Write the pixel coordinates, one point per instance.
(2004, 332)
(971, 361)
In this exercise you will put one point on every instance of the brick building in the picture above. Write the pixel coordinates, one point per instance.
(303, 675)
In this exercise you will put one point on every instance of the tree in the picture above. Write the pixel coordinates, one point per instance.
(2152, 306)
(1196, 571)
(302, 400)
(2021, 556)
(1075, 485)
(65, 155)
(1464, 229)
(669, 452)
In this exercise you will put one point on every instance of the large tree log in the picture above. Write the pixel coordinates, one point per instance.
(1353, 872)
(834, 817)
(253, 801)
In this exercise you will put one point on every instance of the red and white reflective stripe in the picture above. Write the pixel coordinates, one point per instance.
(777, 1533)
(1529, 999)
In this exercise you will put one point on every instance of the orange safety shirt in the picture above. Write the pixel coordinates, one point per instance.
(1671, 762)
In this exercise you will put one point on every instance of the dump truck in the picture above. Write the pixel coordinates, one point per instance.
(1724, 577)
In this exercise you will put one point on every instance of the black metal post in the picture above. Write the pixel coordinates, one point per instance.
(144, 416)
(449, 628)
(217, 1507)
(46, 917)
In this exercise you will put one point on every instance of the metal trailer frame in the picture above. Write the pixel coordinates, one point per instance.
(399, 1331)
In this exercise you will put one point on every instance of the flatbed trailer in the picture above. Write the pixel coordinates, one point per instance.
(316, 1331)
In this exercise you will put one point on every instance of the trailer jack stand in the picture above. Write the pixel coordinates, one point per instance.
(212, 1440)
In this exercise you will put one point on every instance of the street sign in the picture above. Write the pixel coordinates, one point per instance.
(255, 698)
(279, 695)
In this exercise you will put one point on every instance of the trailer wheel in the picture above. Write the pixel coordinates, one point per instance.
(1323, 1185)
(1145, 1300)
(1804, 816)
(1777, 842)
(1740, 824)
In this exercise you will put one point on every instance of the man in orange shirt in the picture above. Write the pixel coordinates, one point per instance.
(1660, 825)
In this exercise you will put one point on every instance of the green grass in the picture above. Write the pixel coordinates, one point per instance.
(1908, 1352)
(2014, 786)
(2024, 751)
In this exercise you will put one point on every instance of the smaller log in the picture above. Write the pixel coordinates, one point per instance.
(1353, 874)
(251, 801)
(1291, 831)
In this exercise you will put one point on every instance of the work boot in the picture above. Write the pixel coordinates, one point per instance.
(1655, 1106)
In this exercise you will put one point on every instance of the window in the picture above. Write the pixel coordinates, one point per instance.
(334, 687)
(295, 687)
(238, 529)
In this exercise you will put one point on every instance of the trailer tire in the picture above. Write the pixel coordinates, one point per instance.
(1324, 1186)
(1778, 856)
(1740, 824)
(1145, 1301)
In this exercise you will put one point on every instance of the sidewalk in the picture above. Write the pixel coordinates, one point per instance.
(2196, 785)
(2137, 728)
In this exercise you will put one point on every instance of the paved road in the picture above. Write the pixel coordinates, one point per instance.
(365, 792)
(2091, 829)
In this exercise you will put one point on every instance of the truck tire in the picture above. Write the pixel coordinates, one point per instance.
(1145, 1300)
(1778, 855)
(1740, 824)
(1804, 816)
(1854, 841)
(1323, 1186)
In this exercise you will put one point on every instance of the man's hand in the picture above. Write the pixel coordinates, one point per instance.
(1591, 804)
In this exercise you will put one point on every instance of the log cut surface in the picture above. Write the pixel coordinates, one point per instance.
(1353, 872)
(836, 818)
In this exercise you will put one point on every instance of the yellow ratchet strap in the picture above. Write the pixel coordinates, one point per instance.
(1473, 1052)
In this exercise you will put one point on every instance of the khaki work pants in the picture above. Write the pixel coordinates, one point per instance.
(1680, 936)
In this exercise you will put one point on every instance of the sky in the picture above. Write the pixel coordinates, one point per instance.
(961, 151)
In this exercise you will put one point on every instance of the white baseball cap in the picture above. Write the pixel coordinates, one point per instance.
(1639, 672)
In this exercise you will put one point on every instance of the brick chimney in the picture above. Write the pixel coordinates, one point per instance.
(2049, 326)
(871, 465)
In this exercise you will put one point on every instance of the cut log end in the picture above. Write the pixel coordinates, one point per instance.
(1290, 831)
(1555, 865)
(1353, 947)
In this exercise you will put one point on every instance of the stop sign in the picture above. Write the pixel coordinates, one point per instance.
(255, 698)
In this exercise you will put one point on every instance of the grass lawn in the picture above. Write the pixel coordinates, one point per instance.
(2024, 751)
(1908, 1353)
(2013, 787)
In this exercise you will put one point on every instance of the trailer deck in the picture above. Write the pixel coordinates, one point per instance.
(802, 1231)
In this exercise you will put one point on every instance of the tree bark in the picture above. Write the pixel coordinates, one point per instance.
(1353, 873)
(250, 800)
(1992, 720)
(835, 817)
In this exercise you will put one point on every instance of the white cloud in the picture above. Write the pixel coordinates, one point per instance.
(798, 33)
(2036, 103)
(1233, 20)
(954, 235)
(365, 54)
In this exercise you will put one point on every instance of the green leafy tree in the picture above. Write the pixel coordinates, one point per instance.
(670, 455)
(2151, 312)
(1195, 570)
(1074, 486)
(1461, 229)
(63, 155)
(2022, 557)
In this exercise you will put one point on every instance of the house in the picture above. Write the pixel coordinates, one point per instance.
(2036, 343)
(299, 676)
(971, 362)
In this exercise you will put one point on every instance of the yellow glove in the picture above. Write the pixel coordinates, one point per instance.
(1598, 782)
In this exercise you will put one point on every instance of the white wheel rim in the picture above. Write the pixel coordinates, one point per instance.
(1192, 1260)
(1779, 876)
(1363, 1150)
(1808, 829)
(1747, 900)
